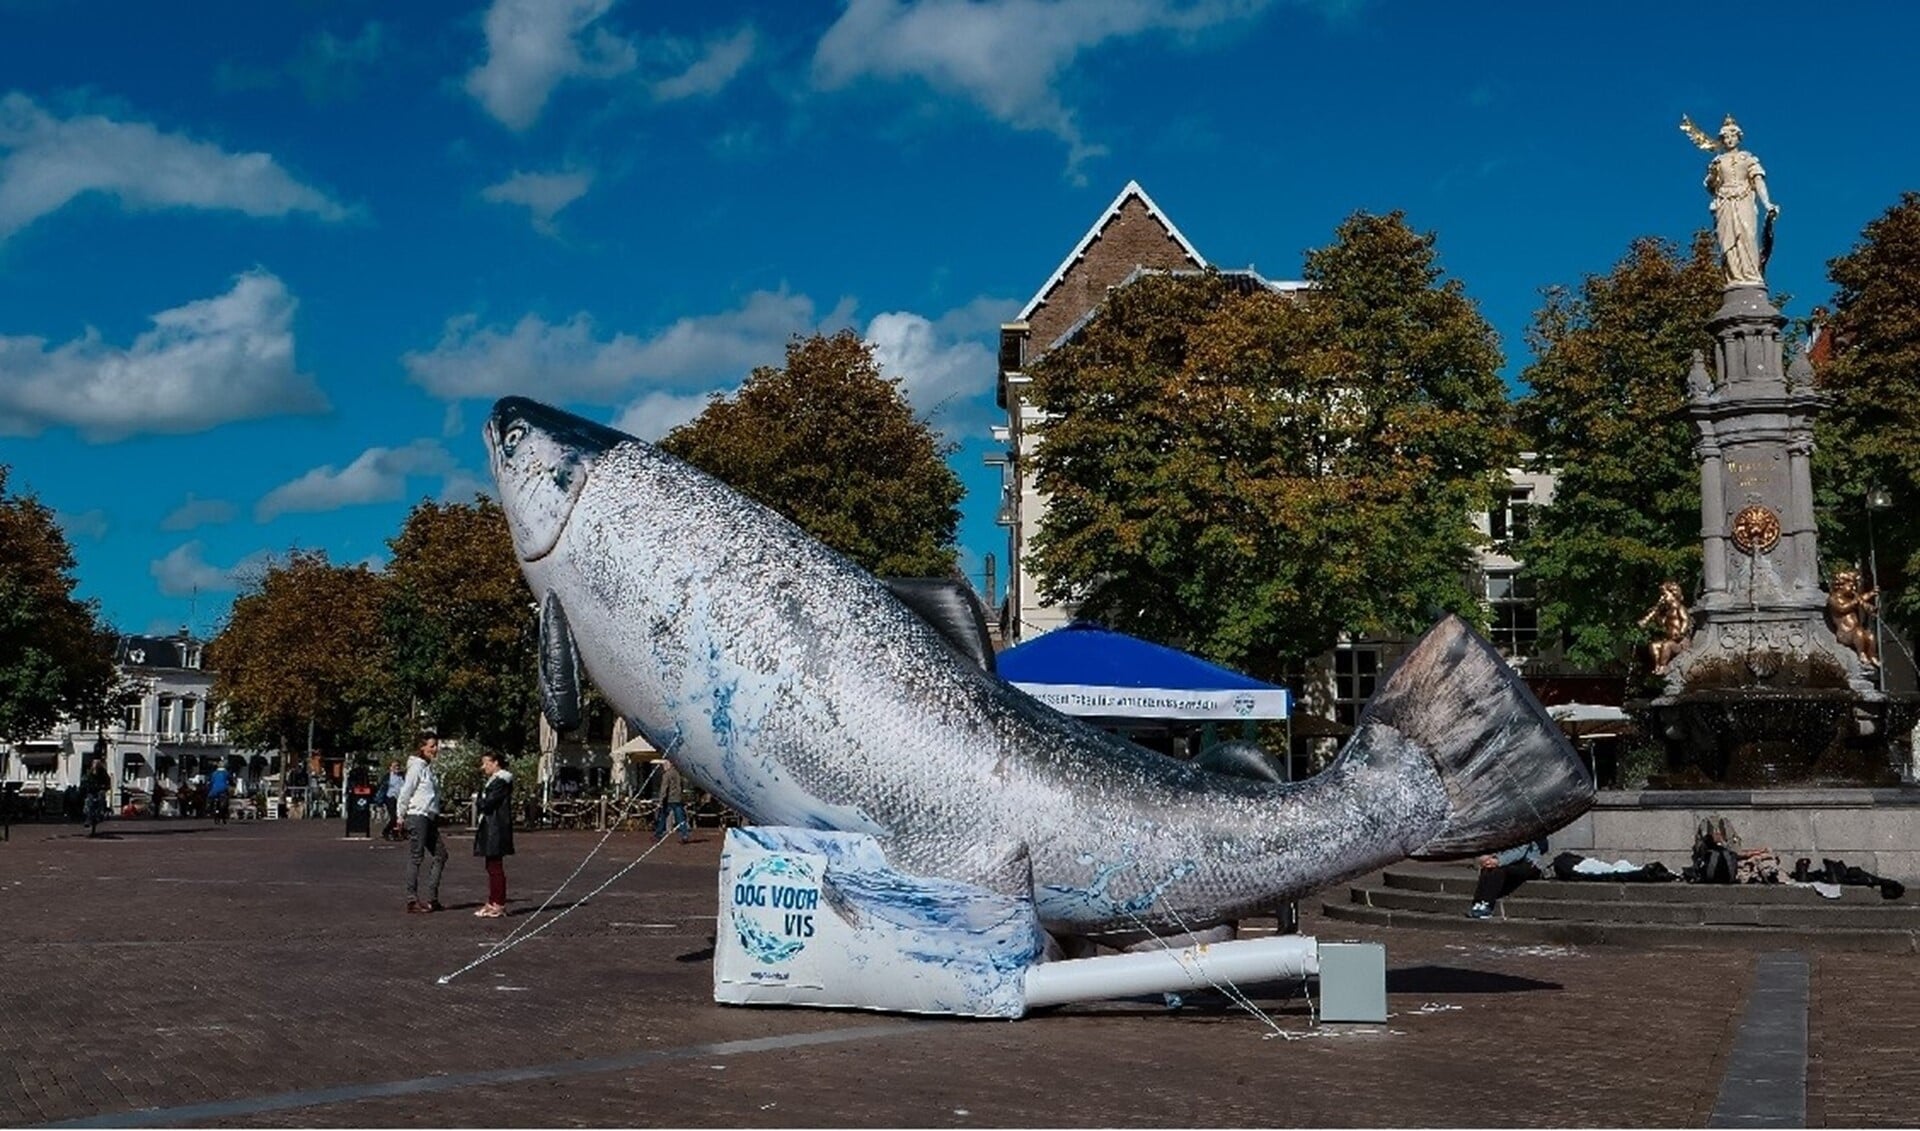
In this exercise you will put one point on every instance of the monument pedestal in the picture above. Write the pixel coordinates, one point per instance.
(1764, 694)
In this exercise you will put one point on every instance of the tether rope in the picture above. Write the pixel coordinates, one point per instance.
(1232, 992)
(516, 936)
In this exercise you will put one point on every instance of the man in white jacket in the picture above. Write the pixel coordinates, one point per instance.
(418, 809)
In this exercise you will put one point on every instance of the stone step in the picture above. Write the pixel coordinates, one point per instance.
(1573, 932)
(1527, 903)
(1461, 882)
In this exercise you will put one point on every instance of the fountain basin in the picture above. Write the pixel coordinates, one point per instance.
(1769, 737)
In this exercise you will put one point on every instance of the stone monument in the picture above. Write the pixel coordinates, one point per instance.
(1764, 692)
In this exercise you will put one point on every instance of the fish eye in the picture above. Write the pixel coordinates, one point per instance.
(510, 439)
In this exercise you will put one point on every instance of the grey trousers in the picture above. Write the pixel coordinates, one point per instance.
(423, 837)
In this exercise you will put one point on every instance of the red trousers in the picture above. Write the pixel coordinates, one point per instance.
(496, 880)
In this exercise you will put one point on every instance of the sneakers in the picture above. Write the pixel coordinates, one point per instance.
(491, 911)
(433, 905)
(415, 907)
(1480, 911)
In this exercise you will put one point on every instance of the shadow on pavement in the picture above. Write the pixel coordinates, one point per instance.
(1454, 980)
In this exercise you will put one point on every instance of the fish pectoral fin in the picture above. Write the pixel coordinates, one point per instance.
(1241, 759)
(953, 609)
(559, 667)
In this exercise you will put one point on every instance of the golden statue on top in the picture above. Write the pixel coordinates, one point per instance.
(1734, 180)
(1676, 626)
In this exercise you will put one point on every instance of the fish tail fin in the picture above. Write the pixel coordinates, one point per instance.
(1509, 772)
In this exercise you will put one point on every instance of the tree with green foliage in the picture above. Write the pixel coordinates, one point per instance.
(56, 656)
(1606, 410)
(459, 628)
(300, 654)
(1248, 474)
(829, 442)
(1870, 435)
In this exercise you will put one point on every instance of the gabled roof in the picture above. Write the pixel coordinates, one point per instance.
(1133, 189)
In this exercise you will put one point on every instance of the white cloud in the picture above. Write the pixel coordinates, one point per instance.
(1005, 56)
(198, 512)
(91, 525)
(186, 570)
(377, 475)
(657, 413)
(945, 367)
(204, 364)
(717, 64)
(533, 46)
(571, 361)
(542, 194)
(50, 161)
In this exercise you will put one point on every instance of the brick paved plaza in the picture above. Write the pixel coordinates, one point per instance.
(171, 973)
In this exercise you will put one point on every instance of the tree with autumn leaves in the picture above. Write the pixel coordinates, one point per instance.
(444, 636)
(296, 659)
(828, 441)
(1248, 474)
(56, 655)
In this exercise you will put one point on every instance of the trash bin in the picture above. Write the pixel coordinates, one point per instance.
(360, 811)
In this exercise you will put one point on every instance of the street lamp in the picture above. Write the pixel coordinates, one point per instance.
(1878, 499)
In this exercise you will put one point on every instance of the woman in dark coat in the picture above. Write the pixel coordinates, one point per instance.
(493, 833)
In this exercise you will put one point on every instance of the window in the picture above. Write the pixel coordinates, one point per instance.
(163, 716)
(1511, 523)
(131, 718)
(1356, 668)
(1514, 619)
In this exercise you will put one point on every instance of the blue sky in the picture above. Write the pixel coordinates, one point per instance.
(264, 266)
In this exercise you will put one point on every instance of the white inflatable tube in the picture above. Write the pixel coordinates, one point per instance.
(1171, 971)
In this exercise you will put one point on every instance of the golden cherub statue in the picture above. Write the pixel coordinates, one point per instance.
(1734, 179)
(1676, 625)
(1847, 611)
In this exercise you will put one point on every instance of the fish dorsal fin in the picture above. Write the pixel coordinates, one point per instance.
(559, 667)
(1240, 760)
(954, 611)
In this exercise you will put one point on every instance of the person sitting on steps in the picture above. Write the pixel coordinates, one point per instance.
(1501, 874)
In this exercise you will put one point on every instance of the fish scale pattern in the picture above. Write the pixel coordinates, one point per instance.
(797, 688)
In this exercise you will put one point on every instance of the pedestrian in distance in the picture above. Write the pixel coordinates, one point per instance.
(390, 793)
(93, 804)
(419, 809)
(673, 804)
(219, 794)
(493, 832)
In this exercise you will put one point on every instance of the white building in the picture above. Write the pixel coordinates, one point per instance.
(166, 736)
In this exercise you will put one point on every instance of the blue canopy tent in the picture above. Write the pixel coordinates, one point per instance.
(1087, 670)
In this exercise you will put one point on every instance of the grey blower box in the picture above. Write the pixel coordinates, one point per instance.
(1353, 982)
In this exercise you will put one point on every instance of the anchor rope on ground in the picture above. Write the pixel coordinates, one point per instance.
(1232, 992)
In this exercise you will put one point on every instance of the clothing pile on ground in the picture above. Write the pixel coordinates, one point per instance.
(1573, 866)
(1717, 859)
